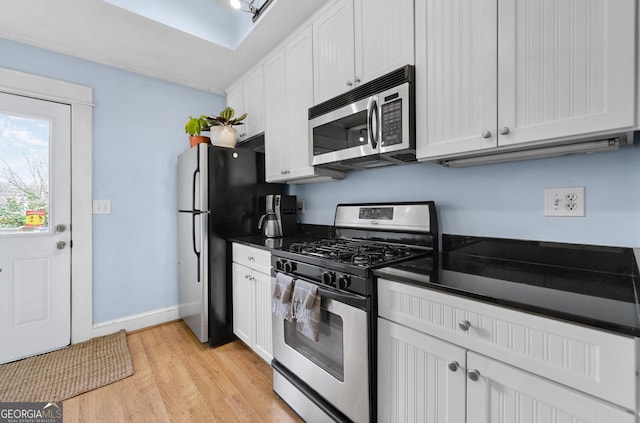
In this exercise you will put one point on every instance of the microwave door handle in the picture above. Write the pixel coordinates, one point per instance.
(373, 123)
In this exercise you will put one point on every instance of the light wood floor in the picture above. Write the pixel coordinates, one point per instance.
(178, 379)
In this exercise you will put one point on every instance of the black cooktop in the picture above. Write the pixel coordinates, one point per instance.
(592, 285)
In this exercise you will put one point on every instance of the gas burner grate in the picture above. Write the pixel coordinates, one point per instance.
(355, 252)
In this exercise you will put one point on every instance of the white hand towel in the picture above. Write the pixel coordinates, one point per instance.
(306, 308)
(281, 297)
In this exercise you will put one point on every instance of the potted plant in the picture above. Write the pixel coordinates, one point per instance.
(194, 127)
(222, 127)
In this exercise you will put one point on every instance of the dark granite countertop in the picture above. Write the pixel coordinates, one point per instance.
(304, 233)
(589, 285)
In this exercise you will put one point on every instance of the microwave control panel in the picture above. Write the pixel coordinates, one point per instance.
(391, 119)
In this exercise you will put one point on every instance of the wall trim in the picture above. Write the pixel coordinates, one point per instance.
(137, 321)
(80, 98)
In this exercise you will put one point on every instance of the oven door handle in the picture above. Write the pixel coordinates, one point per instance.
(343, 297)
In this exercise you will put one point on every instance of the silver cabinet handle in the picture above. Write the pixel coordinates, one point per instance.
(60, 245)
(504, 130)
(251, 258)
(453, 366)
(486, 134)
(61, 228)
(464, 325)
(474, 375)
(357, 80)
(349, 84)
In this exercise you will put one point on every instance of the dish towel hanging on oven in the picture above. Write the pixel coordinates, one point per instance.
(305, 308)
(281, 298)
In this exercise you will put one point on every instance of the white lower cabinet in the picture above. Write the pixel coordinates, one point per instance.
(501, 393)
(251, 293)
(414, 380)
(424, 378)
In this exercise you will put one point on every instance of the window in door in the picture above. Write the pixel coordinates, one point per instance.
(24, 174)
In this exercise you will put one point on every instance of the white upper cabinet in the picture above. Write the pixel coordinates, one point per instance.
(288, 96)
(247, 96)
(499, 73)
(355, 41)
(384, 37)
(333, 51)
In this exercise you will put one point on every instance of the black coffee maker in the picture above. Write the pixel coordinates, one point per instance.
(280, 216)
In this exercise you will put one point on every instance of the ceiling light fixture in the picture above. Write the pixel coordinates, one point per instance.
(250, 8)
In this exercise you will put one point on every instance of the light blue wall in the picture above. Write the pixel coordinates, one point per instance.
(137, 134)
(502, 200)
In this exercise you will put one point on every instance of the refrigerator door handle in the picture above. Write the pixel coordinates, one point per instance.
(193, 188)
(193, 238)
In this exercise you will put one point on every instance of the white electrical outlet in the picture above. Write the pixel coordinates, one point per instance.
(101, 206)
(567, 202)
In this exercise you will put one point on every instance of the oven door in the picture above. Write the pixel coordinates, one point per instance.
(350, 132)
(337, 365)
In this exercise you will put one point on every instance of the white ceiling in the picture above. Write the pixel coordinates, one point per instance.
(104, 33)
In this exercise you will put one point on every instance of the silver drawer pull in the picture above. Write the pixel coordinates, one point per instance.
(464, 325)
(474, 375)
(453, 366)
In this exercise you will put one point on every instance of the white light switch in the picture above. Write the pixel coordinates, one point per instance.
(101, 206)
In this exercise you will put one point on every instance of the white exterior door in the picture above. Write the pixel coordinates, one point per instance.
(35, 218)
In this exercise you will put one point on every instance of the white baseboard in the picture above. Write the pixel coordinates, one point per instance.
(137, 321)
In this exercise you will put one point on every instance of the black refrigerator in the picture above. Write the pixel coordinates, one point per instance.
(219, 193)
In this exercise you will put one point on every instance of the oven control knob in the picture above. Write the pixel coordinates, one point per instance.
(289, 267)
(329, 278)
(344, 281)
(280, 264)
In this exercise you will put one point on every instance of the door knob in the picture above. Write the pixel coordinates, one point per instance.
(61, 228)
(486, 134)
(349, 84)
(504, 130)
(60, 245)
(474, 375)
(453, 366)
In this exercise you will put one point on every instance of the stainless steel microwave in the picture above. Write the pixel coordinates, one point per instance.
(369, 126)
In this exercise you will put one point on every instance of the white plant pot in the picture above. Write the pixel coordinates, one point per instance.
(224, 136)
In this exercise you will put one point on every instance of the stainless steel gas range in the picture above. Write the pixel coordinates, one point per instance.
(333, 377)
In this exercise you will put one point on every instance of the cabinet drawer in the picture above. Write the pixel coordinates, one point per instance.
(593, 361)
(252, 257)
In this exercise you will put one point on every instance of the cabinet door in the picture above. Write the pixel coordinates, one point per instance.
(263, 338)
(235, 99)
(333, 50)
(415, 383)
(288, 96)
(254, 104)
(275, 113)
(456, 87)
(299, 95)
(506, 394)
(384, 37)
(565, 68)
(243, 304)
